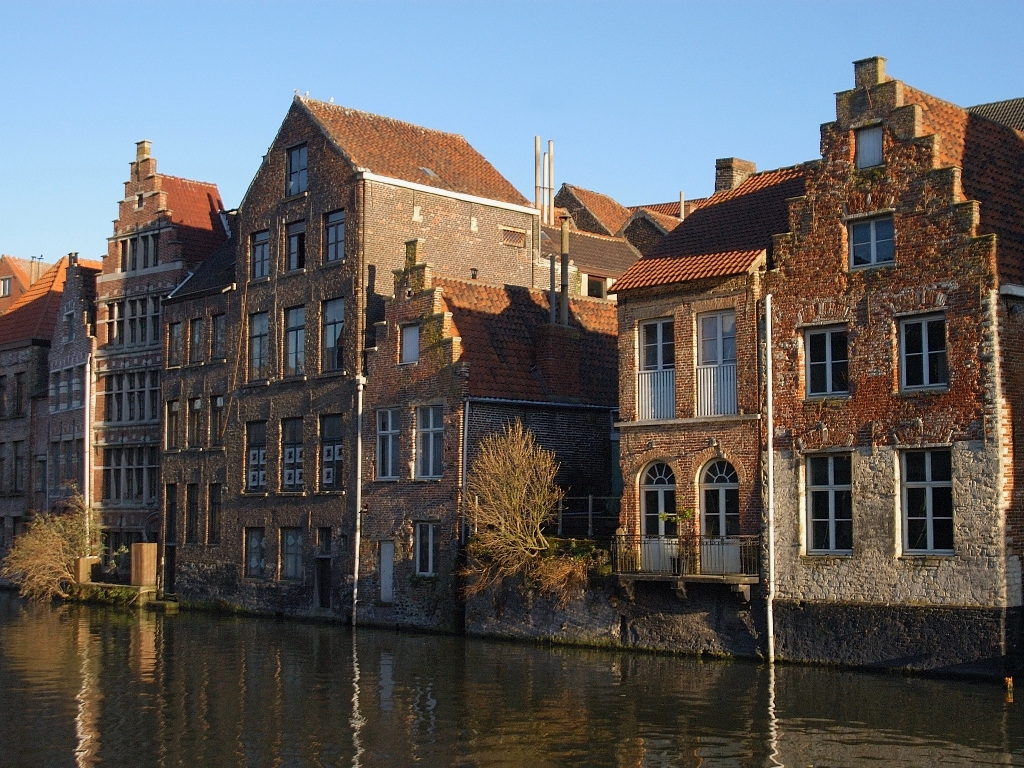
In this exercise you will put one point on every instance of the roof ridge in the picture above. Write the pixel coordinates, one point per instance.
(190, 181)
(614, 238)
(374, 115)
(995, 103)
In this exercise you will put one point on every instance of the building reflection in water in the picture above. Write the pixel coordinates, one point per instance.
(90, 686)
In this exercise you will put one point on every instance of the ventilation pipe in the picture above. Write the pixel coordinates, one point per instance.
(536, 172)
(544, 192)
(682, 205)
(565, 270)
(551, 183)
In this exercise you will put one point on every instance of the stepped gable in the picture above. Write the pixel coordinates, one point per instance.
(608, 212)
(195, 208)
(33, 316)
(400, 150)
(593, 254)
(499, 324)
(725, 236)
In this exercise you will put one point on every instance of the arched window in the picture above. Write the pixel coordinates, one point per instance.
(658, 496)
(720, 500)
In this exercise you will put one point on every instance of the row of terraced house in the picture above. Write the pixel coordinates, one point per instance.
(793, 401)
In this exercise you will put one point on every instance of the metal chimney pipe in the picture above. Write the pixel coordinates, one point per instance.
(536, 171)
(682, 210)
(565, 270)
(544, 192)
(551, 182)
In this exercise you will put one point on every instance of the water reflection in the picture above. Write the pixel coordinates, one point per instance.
(88, 687)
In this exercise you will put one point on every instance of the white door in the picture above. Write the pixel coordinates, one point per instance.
(660, 543)
(387, 571)
(720, 519)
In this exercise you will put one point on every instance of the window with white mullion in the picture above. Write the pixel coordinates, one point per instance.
(659, 345)
(927, 501)
(829, 497)
(923, 353)
(827, 362)
(718, 338)
(430, 442)
(388, 425)
(872, 242)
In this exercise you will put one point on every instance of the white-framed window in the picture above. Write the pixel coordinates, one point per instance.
(720, 500)
(923, 352)
(927, 501)
(427, 548)
(658, 497)
(334, 228)
(716, 364)
(829, 503)
(410, 344)
(872, 242)
(659, 345)
(291, 553)
(5, 286)
(388, 426)
(430, 441)
(656, 379)
(259, 255)
(297, 165)
(291, 454)
(333, 320)
(827, 362)
(259, 347)
(295, 341)
(869, 146)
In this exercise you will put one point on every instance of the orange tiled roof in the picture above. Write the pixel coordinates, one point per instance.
(34, 314)
(20, 268)
(665, 221)
(498, 327)
(610, 213)
(400, 150)
(664, 270)
(195, 209)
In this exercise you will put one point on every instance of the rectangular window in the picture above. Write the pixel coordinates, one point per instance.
(410, 344)
(256, 453)
(192, 513)
(213, 515)
(152, 473)
(294, 341)
(69, 327)
(133, 251)
(3, 395)
(19, 393)
(195, 340)
(928, 501)
(133, 321)
(255, 545)
(716, 364)
(77, 384)
(333, 325)
(154, 241)
(173, 409)
(334, 235)
(19, 466)
(218, 329)
(5, 286)
(330, 453)
(659, 345)
(62, 390)
(171, 513)
(296, 246)
(291, 454)
(259, 347)
(297, 158)
(154, 394)
(427, 548)
(259, 256)
(145, 251)
(515, 238)
(195, 412)
(173, 344)
(217, 420)
(923, 353)
(430, 441)
(827, 362)
(387, 444)
(291, 553)
(869, 146)
(871, 242)
(154, 318)
(829, 504)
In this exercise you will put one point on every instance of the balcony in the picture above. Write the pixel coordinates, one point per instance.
(656, 394)
(727, 559)
(716, 390)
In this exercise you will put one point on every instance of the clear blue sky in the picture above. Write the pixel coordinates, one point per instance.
(640, 98)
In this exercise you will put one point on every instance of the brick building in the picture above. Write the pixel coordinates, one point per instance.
(596, 262)
(322, 226)
(894, 265)
(16, 275)
(166, 227)
(454, 361)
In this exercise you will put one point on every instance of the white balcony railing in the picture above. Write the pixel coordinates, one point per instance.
(656, 394)
(716, 390)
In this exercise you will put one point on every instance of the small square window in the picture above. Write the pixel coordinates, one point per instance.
(872, 242)
(513, 237)
(869, 147)
(410, 352)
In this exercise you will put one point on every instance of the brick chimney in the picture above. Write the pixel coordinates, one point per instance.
(869, 72)
(730, 172)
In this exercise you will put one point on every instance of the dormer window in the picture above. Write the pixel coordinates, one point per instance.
(869, 147)
(296, 170)
(5, 286)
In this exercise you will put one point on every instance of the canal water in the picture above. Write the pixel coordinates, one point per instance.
(90, 686)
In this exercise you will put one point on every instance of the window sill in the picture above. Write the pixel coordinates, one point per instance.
(428, 479)
(407, 362)
(255, 492)
(297, 196)
(290, 272)
(816, 399)
(868, 267)
(339, 492)
(258, 280)
(927, 559)
(938, 389)
(256, 384)
(333, 374)
(292, 378)
(332, 263)
(293, 493)
(386, 479)
(826, 558)
(172, 450)
(690, 420)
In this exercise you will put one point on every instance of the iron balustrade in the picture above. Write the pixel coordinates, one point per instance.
(687, 555)
(656, 394)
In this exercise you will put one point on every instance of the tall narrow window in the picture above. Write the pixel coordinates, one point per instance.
(291, 553)
(259, 347)
(217, 420)
(19, 466)
(254, 553)
(296, 246)
(829, 503)
(195, 340)
(410, 344)
(256, 455)
(871, 242)
(145, 252)
(195, 412)
(19, 392)
(430, 441)
(171, 513)
(716, 364)
(294, 341)
(297, 158)
(869, 146)
(928, 501)
(133, 254)
(218, 329)
(658, 496)
(213, 515)
(259, 255)
(3, 394)
(173, 409)
(334, 225)
(330, 453)
(427, 548)
(656, 383)
(333, 325)
(387, 444)
(154, 394)
(174, 344)
(77, 384)
(720, 500)
(923, 353)
(827, 362)
(154, 241)
(192, 513)
(152, 473)
(5, 286)
(154, 318)
(291, 454)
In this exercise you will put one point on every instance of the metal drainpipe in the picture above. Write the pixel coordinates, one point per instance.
(356, 539)
(770, 464)
(87, 450)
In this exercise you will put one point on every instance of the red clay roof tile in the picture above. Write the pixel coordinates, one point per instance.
(608, 212)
